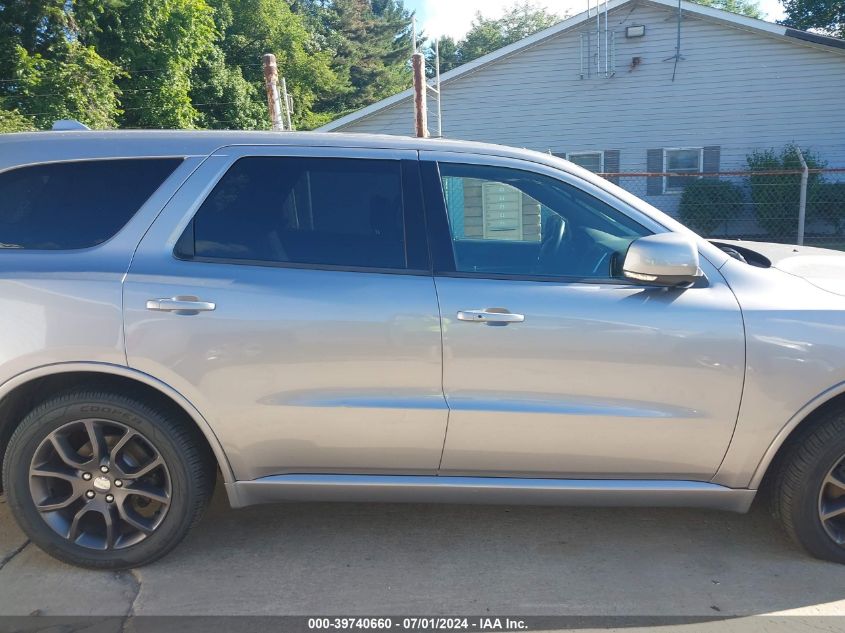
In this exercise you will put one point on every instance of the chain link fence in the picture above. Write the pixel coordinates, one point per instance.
(750, 205)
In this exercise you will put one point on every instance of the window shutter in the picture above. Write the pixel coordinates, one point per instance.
(611, 164)
(654, 165)
(712, 156)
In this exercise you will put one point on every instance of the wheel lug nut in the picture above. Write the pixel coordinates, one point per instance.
(86, 476)
(90, 494)
(109, 498)
(118, 483)
(104, 469)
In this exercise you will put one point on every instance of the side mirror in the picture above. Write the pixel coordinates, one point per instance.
(664, 259)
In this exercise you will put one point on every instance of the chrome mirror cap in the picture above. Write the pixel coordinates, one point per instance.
(664, 259)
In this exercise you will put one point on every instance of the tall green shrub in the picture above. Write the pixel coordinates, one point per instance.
(709, 203)
(776, 196)
(826, 203)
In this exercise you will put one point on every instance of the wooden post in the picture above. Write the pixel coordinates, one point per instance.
(437, 83)
(271, 83)
(420, 114)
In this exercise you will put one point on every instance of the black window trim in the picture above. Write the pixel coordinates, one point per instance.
(180, 161)
(440, 239)
(413, 215)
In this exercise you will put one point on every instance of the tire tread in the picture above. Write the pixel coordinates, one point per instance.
(793, 470)
(190, 445)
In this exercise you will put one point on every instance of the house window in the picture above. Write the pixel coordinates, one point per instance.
(681, 160)
(592, 161)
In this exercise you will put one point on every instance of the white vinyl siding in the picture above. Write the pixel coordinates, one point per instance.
(734, 88)
(502, 211)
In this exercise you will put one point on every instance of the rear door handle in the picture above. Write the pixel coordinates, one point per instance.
(490, 315)
(182, 305)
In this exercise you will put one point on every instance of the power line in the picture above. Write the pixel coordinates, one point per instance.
(61, 94)
(153, 107)
(143, 70)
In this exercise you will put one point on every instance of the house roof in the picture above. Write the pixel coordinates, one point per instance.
(726, 17)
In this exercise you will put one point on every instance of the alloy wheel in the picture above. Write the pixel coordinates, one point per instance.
(832, 503)
(100, 484)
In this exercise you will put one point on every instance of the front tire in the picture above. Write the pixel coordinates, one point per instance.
(808, 495)
(105, 481)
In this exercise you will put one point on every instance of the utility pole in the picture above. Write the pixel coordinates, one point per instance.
(437, 89)
(271, 83)
(420, 87)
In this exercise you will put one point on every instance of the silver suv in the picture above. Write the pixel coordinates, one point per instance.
(368, 318)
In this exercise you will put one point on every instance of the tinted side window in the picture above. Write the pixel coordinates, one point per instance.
(513, 222)
(76, 204)
(324, 211)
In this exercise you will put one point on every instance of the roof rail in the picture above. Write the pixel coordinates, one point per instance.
(69, 124)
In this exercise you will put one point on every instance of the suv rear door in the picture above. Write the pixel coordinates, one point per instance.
(287, 293)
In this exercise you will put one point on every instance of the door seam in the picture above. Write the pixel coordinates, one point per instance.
(442, 374)
(125, 276)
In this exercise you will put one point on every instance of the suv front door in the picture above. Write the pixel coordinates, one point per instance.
(553, 365)
(287, 293)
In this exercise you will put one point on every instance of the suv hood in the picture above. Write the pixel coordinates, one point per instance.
(822, 267)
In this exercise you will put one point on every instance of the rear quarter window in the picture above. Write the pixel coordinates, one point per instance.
(73, 205)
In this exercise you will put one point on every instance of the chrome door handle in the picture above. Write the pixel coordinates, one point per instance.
(185, 305)
(490, 315)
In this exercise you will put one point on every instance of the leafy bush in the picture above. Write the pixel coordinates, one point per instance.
(776, 196)
(13, 121)
(708, 203)
(826, 203)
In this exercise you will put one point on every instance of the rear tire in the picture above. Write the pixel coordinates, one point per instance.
(808, 488)
(105, 481)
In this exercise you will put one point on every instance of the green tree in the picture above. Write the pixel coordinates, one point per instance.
(489, 34)
(750, 8)
(73, 83)
(827, 16)
(34, 25)
(158, 43)
(195, 63)
(224, 98)
(450, 55)
(247, 30)
(369, 42)
(47, 73)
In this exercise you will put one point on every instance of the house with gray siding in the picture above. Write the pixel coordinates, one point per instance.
(615, 93)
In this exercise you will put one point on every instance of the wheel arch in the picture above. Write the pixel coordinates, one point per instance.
(808, 415)
(20, 394)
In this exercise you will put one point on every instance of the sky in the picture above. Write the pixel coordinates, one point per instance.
(453, 17)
